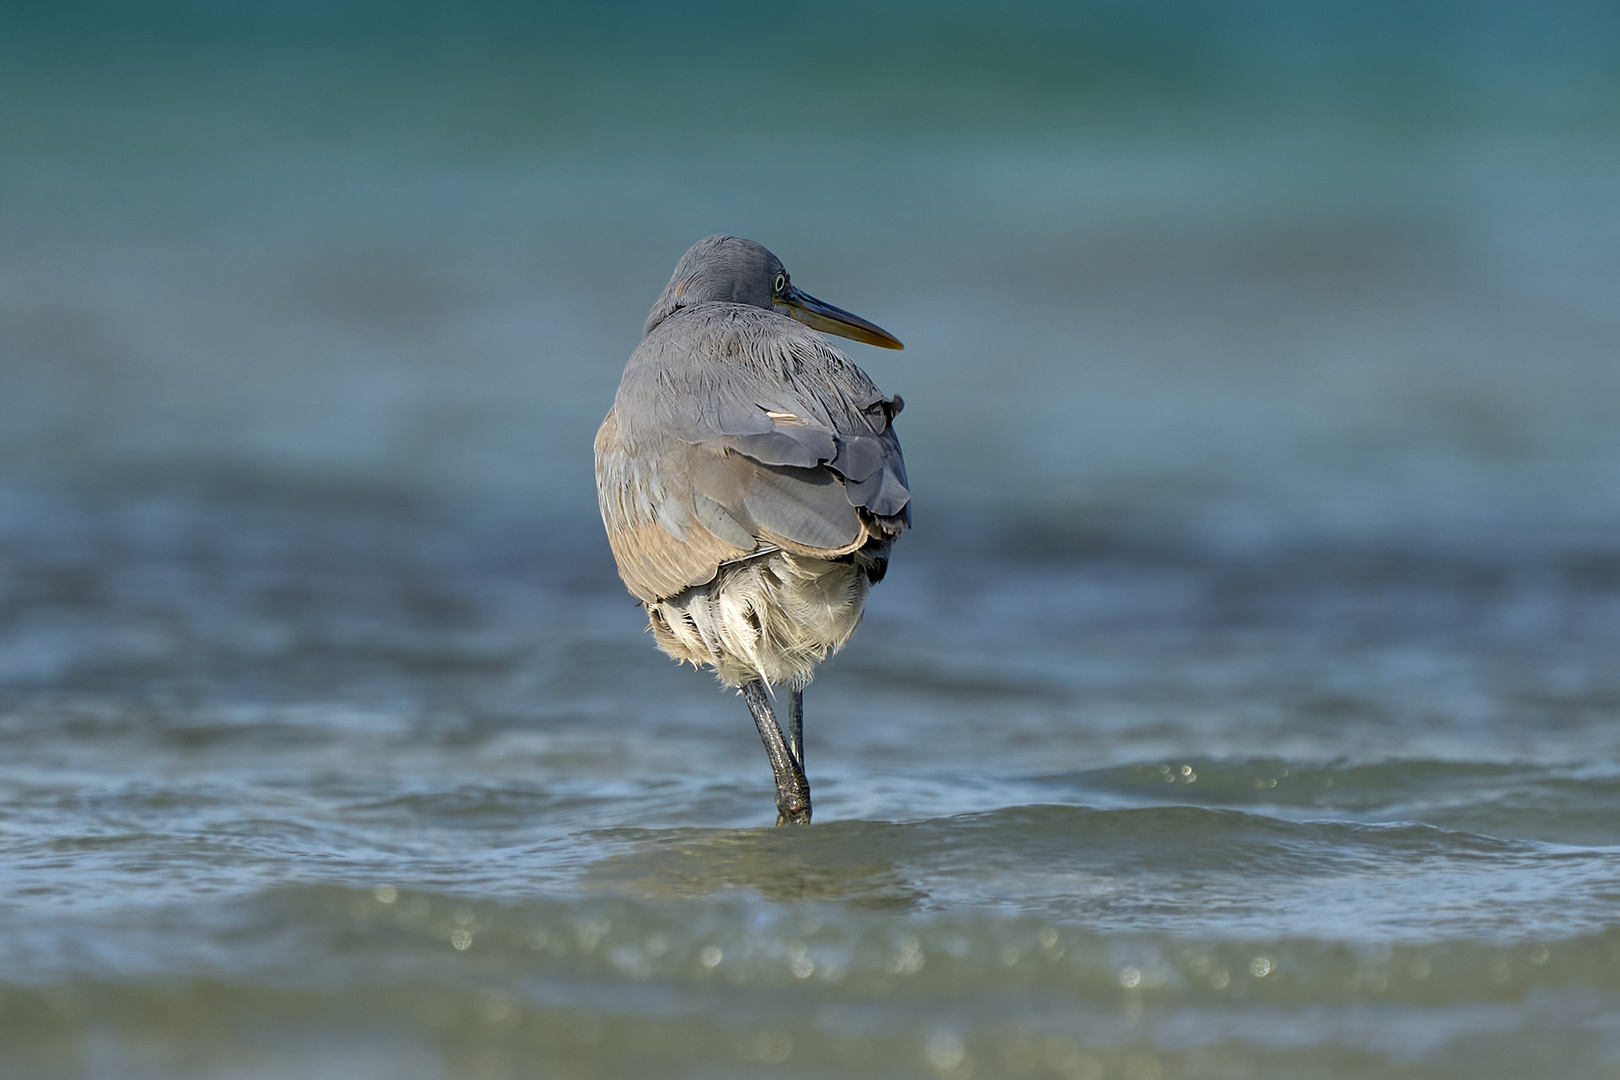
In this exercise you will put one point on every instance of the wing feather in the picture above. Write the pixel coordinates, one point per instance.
(735, 427)
(662, 541)
(803, 510)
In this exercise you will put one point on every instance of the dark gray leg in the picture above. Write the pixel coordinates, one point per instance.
(795, 728)
(792, 789)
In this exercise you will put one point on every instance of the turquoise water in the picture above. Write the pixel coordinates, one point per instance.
(1243, 703)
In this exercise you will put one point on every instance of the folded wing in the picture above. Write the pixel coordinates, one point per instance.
(729, 437)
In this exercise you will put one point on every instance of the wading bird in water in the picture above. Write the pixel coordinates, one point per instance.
(751, 483)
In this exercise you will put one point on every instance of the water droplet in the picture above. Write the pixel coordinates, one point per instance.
(385, 894)
(944, 1051)
(497, 1009)
(1129, 977)
(461, 940)
(592, 931)
(908, 960)
(773, 1047)
(1260, 967)
(711, 956)
(1219, 979)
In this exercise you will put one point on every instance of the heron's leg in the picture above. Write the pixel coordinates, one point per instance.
(792, 789)
(795, 726)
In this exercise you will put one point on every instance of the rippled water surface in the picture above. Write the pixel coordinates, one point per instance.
(1244, 703)
(302, 792)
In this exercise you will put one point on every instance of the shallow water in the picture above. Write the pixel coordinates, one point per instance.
(1243, 703)
(295, 792)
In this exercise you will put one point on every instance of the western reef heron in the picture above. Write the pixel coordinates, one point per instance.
(751, 483)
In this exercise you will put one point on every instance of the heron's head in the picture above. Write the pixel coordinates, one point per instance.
(738, 271)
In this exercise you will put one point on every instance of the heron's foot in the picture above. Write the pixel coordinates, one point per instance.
(792, 812)
(792, 789)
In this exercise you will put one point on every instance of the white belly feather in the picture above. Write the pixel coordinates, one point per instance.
(773, 616)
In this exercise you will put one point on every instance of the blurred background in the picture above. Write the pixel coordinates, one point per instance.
(1263, 418)
(1349, 268)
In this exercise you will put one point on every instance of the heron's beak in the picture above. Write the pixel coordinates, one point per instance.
(831, 320)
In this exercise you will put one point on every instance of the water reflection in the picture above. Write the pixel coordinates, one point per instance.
(844, 861)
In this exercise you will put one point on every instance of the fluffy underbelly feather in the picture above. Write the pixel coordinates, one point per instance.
(773, 618)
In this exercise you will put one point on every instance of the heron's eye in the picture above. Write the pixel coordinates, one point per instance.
(779, 286)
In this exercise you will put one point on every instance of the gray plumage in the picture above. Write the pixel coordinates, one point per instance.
(749, 475)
